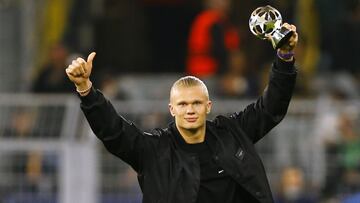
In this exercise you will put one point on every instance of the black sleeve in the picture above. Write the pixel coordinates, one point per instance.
(120, 137)
(258, 118)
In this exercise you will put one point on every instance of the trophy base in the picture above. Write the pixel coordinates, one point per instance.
(283, 40)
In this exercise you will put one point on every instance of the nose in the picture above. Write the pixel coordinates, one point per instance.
(190, 109)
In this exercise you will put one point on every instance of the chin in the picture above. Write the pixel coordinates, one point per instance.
(192, 126)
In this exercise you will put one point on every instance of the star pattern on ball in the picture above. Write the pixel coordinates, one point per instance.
(262, 21)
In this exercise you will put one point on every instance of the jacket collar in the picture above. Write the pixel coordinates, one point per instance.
(179, 141)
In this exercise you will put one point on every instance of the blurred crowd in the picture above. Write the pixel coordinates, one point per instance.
(137, 40)
(210, 39)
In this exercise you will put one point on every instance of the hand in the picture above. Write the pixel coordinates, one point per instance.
(79, 72)
(291, 44)
(286, 52)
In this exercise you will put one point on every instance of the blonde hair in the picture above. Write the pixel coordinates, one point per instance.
(189, 81)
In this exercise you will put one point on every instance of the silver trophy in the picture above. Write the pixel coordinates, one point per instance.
(266, 23)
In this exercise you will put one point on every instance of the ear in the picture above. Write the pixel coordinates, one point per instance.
(208, 107)
(171, 109)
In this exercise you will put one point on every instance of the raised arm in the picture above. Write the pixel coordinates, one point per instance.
(119, 136)
(258, 118)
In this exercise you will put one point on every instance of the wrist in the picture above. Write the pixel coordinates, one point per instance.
(285, 55)
(84, 88)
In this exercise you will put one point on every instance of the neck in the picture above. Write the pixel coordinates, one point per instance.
(193, 136)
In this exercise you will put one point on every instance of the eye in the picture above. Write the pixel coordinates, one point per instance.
(197, 102)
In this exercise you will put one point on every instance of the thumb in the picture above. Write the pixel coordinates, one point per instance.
(91, 58)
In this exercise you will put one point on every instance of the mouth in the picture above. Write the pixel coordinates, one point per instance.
(191, 120)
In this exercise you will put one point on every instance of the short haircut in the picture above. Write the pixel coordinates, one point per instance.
(189, 81)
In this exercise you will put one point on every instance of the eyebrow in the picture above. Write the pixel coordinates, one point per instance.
(191, 102)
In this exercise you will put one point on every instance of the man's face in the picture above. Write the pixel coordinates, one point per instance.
(189, 106)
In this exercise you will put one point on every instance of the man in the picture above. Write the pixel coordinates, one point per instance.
(194, 160)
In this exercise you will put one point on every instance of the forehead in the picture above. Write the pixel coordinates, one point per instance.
(181, 93)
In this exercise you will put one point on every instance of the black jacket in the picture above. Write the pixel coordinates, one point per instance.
(169, 175)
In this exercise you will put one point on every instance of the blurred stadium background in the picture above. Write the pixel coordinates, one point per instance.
(48, 153)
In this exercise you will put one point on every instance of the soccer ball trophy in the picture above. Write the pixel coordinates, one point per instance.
(266, 23)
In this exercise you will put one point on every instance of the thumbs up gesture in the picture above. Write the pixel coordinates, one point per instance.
(79, 72)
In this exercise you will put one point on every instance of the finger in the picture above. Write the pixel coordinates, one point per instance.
(82, 63)
(77, 71)
(69, 74)
(81, 70)
(81, 60)
(287, 25)
(74, 69)
(294, 37)
(78, 68)
(70, 70)
(292, 44)
(91, 58)
(76, 64)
